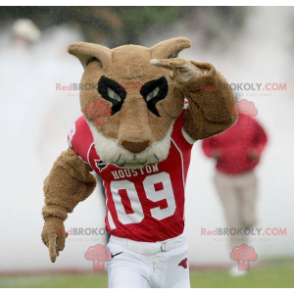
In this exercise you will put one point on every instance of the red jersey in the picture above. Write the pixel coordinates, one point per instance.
(235, 145)
(143, 204)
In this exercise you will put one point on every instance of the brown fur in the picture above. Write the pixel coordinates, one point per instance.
(70, 181)
(209, 110)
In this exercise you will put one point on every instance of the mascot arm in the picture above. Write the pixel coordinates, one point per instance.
(210, 98)
(210, 103)
(68, 183)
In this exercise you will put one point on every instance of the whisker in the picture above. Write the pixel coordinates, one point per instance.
(120, 165)
(140, 75)
(144, 162)
(118, 158)
(156, 158)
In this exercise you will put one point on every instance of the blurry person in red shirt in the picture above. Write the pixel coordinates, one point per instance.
(237, 152)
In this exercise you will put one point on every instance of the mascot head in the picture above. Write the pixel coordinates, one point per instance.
(130, 104)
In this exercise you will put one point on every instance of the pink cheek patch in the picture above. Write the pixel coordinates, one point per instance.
(98, 110)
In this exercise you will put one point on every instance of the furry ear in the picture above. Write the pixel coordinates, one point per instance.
(87, 51)
(170, 48)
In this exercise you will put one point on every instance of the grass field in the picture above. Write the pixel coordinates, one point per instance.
(256, 278)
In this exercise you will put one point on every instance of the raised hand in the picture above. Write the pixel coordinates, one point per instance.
(182, 71)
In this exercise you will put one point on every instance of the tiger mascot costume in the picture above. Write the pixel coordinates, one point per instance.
(143, 108)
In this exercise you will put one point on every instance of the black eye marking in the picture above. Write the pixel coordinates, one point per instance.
(113, 92)
(153, 92)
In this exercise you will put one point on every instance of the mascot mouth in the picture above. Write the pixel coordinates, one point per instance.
(111, 152)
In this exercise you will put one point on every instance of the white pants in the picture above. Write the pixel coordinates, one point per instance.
(148, 265)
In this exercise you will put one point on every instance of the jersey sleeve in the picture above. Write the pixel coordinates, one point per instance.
(179, 135)
(80, 139)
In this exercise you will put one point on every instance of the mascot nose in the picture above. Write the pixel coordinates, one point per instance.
(135, 147)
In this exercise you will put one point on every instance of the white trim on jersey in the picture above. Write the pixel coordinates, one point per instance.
(82, 159)
(109, 216)
(183, 170)
(88, 154)
(110, 220)
(187, 137)
(182, 162)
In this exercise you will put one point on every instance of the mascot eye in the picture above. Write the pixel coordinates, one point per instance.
(113, 95)
(112, 92)
(153, 92)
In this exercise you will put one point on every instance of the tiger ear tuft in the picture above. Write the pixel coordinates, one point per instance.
(86, 52)
(169, 48)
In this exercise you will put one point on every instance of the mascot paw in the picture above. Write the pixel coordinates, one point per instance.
(182, 70)
(53, 236)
